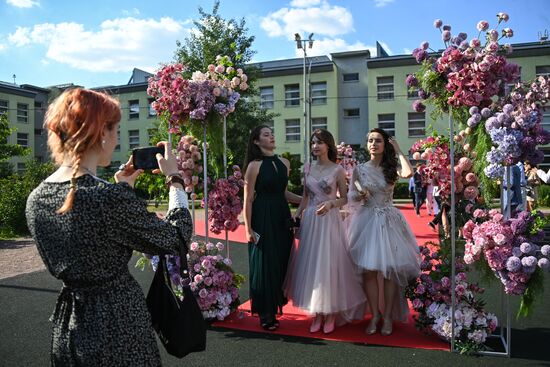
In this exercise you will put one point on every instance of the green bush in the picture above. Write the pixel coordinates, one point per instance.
(401, 190)
(14, 191)
(543, 195)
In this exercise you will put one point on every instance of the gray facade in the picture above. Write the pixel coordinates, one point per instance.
(353, 114)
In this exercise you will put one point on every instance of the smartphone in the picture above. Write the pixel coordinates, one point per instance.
(146, 158)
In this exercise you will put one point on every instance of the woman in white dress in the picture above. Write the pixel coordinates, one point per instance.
(381, 242)
(321, 278)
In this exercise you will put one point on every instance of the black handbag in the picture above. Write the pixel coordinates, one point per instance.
(179, 323)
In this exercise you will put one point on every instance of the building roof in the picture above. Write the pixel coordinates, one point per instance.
(15, 89)
(519, 50)
(355, 53)
(293, 66)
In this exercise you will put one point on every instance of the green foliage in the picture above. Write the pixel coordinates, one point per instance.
(14, 191)
(543, 195)
(152, 187)
(8, 150)
(295, 177)
(401, 190)
(481, 143)
(533, 292)
(218, 36)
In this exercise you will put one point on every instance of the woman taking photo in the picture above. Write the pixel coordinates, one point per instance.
(321, 278)
(86, 230)
(381, 242)
(268, 225)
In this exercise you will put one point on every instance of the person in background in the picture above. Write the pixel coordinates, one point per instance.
(515, 199)
(86, 230)
(533, 182)
(419, 189)
(411, 191)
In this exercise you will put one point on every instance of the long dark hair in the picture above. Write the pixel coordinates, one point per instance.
(326, 137)
(389, 157)
(253, 152)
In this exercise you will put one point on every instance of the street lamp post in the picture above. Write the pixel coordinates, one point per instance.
(303, 44)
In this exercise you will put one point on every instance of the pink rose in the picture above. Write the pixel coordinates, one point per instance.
(483, 25)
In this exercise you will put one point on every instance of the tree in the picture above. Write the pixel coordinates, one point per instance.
(8, 150)
(218, 36)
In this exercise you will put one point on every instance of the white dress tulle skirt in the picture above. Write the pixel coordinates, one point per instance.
(380, 238)
(321, 277)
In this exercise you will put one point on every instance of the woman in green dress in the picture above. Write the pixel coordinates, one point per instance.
(268, 225)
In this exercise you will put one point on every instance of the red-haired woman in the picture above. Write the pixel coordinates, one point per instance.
(86, 230)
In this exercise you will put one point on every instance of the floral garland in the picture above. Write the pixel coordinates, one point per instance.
(182, 100)
(224, 202)
(431, 298)
(511, 250)
(188, 155)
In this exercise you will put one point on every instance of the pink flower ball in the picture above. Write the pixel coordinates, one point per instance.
(446, 35)
(471, 177)
(203, 293)
(416, 155)
(438, 23)
(466, 163)
(475, 43)
(493, 35)
(467, 147)
(424, 155)
(458, 170)
(483, 25)
(471, 192)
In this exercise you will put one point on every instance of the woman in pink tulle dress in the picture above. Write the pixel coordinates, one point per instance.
(381, 242)
(321, 279)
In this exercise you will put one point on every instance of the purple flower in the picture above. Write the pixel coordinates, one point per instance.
(529, 261)
(545, 250)
(446, 35)
(438, 23)
(418, 106)
(526, 248)
(486, 112)
(417, 304)
(475, 43)
(446, 27)
(513, 264)
(411, 81)
(543, 263)
(420, 54)
(424, 45)
(422, 94)
(516, 251)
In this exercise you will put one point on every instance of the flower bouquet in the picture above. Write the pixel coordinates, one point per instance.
(188, 155)
(212, 280)
(431, 298)
(346, 158)
(224, 202)
(511, 248)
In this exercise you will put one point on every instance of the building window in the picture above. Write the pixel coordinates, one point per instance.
(292, 130)
(318, 93)
(417, 124)
(20, 168)
(133, 138)
(38, 131)
(117, 148)
(386, 121)
(318, 123)
(271, 125)
(546, 119)
(384, 87)
(351, 77)
(37, 104)
(542, 70)
(4, 106)
(152, 112)
(266, 97)
(292, 95)
(133, 109)
(23, 139)
(22, 113)
(351, 112)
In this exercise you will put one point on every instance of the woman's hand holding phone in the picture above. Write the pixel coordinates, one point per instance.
(128, 173)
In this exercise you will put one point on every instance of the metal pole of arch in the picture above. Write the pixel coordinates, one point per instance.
(453, 229)
(205, 182)
(225, 173)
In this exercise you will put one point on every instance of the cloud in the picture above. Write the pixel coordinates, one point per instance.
(382, 3)
(308, 16)
(3, 47)
(407, 51)
(327, 46)
(23, 3)
(132, 12)
(119, 45)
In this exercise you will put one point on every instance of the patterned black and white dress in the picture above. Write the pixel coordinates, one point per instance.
(101, 318)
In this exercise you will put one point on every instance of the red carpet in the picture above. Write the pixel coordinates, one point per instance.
(296, 323)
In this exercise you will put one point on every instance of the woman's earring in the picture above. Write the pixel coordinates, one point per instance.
(103, 142)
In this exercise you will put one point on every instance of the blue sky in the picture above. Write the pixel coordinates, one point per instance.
(97, 43)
